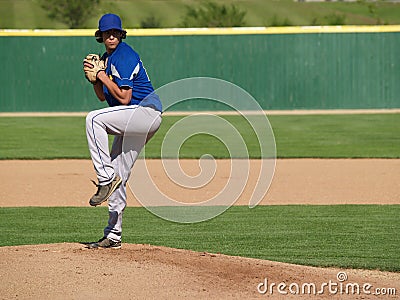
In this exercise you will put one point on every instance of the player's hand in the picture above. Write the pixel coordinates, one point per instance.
(92, 65)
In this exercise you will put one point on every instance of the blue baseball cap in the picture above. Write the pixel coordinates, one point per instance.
(110, 21)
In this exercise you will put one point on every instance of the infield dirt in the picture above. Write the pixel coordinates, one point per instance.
(70, 271)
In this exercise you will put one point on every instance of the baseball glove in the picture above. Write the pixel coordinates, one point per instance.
(92, 65)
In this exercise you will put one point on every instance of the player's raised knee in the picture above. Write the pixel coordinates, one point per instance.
(89, 118)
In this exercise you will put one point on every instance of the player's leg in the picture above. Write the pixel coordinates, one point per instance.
(99, 124)
(142, 124)
(119, 120)
(116, 202)
(122, 162)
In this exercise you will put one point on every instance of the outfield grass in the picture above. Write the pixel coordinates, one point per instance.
(43, 138)
(345, 236)
(28, 14)
(323, 136)
(337, 136)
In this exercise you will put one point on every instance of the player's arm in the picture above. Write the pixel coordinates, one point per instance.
(98, 89)
(123, 95)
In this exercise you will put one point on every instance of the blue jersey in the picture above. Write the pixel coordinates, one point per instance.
(126, 69)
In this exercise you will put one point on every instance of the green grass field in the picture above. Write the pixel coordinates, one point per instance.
(28, 14)
(346, 236)
(323, 136)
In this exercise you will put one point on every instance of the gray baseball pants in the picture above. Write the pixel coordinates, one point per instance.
(132, 126)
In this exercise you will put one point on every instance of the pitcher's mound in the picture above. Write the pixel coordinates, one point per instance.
(70, 271)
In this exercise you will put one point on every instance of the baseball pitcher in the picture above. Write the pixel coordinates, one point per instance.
(133, 116)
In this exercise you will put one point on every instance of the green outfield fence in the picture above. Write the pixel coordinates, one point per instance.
(345, 67)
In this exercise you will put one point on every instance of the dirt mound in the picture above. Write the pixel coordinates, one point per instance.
(70, 271)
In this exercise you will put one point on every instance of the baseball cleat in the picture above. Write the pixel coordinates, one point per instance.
(104, 191)
(105, 243)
